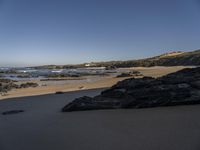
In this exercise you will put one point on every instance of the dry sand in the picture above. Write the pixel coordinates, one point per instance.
(104, 82)
(43, 127)
(157, 71)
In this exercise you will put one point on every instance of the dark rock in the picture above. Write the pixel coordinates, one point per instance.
(110, 67)
(24, 76)
(6, 85)
(88, 103)
(28, 84)
(59, 92)
(11, 112)
(2, 80)
(124, 75)
(130, 74)
(182, 87)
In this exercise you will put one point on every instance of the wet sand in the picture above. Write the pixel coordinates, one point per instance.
(43, 127)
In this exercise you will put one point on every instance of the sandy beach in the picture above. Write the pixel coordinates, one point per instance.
(99, 75)
(43, 127)
(102, 82)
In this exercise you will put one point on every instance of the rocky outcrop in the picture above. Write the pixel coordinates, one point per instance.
(2, 80)
(6, 85)
(182, 87)
(130, 74)
(28, 84)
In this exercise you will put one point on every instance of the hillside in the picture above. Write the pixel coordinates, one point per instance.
(168, 59)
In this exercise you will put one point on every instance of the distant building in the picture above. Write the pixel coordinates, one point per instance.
(90, 65)
(87, 65)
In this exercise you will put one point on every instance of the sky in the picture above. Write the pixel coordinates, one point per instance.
(42, 32)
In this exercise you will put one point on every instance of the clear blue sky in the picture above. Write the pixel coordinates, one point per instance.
(36, 32)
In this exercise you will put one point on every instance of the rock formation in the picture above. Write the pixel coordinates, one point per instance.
(182, 87)
(6, 85)
(133, 73)
(28, 84)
